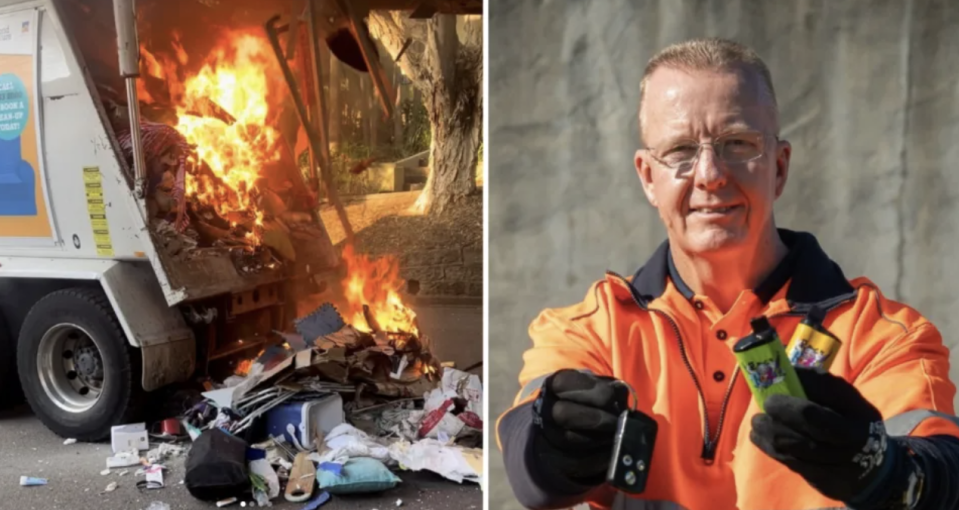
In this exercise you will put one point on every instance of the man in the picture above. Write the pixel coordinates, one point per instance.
(713, 167)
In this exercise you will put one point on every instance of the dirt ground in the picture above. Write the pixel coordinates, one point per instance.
(384, 223)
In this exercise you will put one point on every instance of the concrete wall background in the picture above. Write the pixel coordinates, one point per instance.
(869, 92)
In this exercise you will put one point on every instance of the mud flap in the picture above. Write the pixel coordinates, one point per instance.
(167, 345)
(168, 363)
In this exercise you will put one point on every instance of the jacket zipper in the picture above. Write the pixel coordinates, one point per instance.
(709, 443)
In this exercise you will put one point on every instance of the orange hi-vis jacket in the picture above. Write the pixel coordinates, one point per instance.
(675, 349)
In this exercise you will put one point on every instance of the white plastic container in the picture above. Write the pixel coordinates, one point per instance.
(320, 414)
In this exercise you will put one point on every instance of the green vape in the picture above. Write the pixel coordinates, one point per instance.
(763, 361)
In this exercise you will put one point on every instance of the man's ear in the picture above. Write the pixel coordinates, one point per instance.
(783, 153)
(644, 171)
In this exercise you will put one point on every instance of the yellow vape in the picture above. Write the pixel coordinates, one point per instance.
(812, 345)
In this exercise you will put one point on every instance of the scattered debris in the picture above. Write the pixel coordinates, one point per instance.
(300, 486)
(317, 501)
(30, 481)
(334, 405)
(112, 486)
(131, 437)
(164, 452)
(170, 427)
(158, 505)
(123, 459)
(69, 441)
(154, 478)
(451, 462)
(105, 472)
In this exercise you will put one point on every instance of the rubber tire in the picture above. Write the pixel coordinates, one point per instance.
(10, 393)
(120, 401)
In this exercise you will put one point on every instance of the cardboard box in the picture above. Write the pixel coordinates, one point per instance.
(129, 437)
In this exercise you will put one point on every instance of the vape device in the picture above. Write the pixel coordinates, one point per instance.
(632, 452)
(812, 345)
(762, 359)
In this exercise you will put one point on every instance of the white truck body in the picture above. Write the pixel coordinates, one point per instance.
(59, 243)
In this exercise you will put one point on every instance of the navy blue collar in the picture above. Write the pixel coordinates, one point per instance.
(816, 279)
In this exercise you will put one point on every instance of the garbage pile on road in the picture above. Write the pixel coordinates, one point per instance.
(332, 410)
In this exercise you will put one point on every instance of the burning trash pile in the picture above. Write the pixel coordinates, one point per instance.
(332, 405)
(219, 160)
(335, 402)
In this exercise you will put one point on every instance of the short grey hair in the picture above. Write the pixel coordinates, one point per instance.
(708, 54)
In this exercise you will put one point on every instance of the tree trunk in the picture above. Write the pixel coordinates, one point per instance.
(450, 77)
(336, 106)
(453, 158)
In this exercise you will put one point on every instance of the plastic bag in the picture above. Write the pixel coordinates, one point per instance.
(216, 467)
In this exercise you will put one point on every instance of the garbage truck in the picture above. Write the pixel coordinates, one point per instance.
(119, 275)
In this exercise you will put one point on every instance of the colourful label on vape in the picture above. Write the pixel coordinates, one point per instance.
(810, 348)
(765, 374)
(768, 372)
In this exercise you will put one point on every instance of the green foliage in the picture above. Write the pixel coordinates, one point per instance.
(417, 133)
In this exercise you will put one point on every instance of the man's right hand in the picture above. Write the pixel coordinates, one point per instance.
(576, 416)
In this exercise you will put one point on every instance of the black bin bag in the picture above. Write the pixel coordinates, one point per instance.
(216, 467)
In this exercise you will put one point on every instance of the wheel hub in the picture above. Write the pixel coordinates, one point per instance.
(70, 367)
(89, 365)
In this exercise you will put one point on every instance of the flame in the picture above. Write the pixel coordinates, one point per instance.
(234, 81)
(376, 283)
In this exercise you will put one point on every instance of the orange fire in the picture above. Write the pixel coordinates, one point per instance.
(234, 81)
(377, 284)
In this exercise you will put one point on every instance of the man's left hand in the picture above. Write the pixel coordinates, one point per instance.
(835, 440)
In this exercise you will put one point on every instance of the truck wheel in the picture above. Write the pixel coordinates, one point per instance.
(76, 368)
(10, 393)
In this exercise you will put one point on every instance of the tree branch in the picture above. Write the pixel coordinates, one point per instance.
(392, 30)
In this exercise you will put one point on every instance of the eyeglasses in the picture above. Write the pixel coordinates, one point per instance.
(731, 149)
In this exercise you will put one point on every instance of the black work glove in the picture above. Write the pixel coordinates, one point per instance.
(836, 440)
(575, 420)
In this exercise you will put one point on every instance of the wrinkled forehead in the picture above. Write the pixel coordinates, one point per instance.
(693, 104)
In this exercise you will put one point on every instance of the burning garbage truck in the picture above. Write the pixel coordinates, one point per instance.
(157, 228)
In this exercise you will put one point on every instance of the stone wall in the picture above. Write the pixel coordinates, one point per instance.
(456, 271)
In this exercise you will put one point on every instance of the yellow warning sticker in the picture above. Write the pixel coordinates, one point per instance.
(93, 184)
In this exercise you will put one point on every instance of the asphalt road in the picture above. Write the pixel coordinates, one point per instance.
(75, 483)
(73, 471)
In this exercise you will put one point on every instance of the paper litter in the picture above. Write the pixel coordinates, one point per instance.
(451, 462)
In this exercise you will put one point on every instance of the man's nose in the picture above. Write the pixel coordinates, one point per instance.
(709, 173)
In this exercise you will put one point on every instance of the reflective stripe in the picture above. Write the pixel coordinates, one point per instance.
(903, 424)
